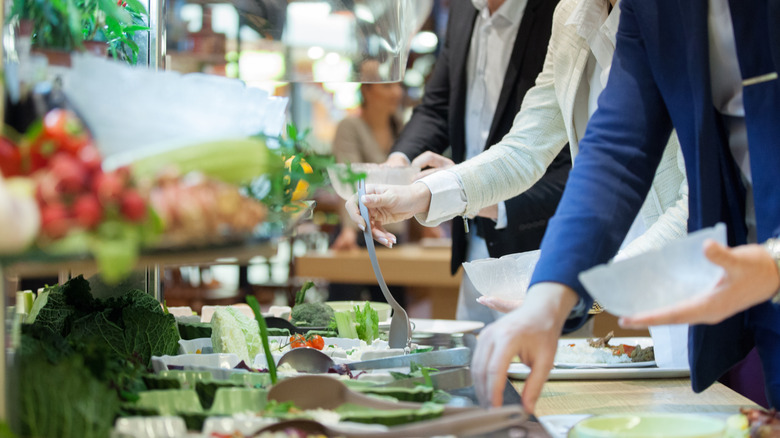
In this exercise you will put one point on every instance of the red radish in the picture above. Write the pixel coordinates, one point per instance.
(90, 156)
(133, 206)
(54, 220)
(87, 211)
(69, 172)
(108, 187)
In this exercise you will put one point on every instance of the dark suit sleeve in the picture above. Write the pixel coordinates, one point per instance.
(428, 129)
(618, 157)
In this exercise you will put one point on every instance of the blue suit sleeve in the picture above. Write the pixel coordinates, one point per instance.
(612, 175)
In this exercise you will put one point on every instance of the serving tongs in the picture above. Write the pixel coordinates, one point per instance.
(400, 329)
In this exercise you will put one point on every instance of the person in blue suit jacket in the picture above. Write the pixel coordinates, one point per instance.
(708, 68)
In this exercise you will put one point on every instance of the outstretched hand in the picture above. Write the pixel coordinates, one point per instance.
(750, 278)
(389, 204)
(531, 332)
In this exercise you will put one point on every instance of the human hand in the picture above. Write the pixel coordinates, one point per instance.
(389, 204)
(490, 212)
(531, 332)
(750, 278)
(346, 240)
(433, 161)
(396, 160)
(502, 305)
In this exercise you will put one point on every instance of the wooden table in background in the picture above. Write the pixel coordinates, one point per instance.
(619, 396)
(424, 271)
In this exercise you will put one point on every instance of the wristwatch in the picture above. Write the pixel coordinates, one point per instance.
(773, 247)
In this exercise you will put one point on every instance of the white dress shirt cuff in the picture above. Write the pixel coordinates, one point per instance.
(501, 220)
(448, 199)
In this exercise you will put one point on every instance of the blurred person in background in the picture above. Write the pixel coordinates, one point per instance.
(493, 51)
(367, 138)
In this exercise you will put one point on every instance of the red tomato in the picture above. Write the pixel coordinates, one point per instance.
(10, 158)
(316, 341)
(628, 349)
(66, 129)
(297, 341)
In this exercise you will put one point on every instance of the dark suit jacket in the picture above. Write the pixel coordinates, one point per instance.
(660, 78)
(439, 121)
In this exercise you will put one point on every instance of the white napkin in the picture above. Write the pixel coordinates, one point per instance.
(656, 279)
(506, 277)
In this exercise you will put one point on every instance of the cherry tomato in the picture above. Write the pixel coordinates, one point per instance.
(297, 341)
(10, 158)
(316, 341)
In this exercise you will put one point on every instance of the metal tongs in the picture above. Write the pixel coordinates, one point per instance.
(400, 329)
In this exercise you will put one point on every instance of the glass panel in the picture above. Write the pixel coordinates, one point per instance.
(294, 41)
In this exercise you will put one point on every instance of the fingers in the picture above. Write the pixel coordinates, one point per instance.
(534, 383)
(430, 159)
(718, 254)
(479, 364)
(383, 236)
(499, 304)
(354, 212)
(496, 375)
(691, 311)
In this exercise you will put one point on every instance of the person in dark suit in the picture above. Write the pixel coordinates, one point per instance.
(494, 50)
(708, 68)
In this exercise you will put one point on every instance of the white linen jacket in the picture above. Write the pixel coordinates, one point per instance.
(541, 129)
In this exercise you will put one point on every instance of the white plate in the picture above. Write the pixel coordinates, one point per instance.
(643, 342)
(444, 326)
(226, 361)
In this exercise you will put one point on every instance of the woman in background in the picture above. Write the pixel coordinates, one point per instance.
(367, 138)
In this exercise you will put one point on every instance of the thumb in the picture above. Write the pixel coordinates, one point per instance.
(499, 304)
(718, 254)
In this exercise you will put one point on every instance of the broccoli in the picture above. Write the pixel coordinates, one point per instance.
(311, 314)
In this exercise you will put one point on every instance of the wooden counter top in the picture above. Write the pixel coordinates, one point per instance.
(423, 271)
(404, 265)
(651, 395)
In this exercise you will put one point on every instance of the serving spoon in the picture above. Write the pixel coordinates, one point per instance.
(400, 335)
(321, 392)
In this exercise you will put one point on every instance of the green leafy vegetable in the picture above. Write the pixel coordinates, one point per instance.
(345, 323)
(367, 323)
(252, 301)
(300, 296)
(64, 400)
(207, 390)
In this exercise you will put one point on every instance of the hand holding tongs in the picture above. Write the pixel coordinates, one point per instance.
(400, 328)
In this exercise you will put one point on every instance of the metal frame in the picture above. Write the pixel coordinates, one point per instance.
(157, 33)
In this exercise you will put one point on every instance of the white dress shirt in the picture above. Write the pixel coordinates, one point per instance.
(596, 25)
(726, 82)
(492, 43)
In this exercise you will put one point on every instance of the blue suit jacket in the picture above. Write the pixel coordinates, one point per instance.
(660, 79)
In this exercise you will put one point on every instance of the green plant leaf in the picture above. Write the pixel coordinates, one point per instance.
(136, 6)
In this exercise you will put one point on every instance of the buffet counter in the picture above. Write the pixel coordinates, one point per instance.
(618, 396)
(424, 271)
